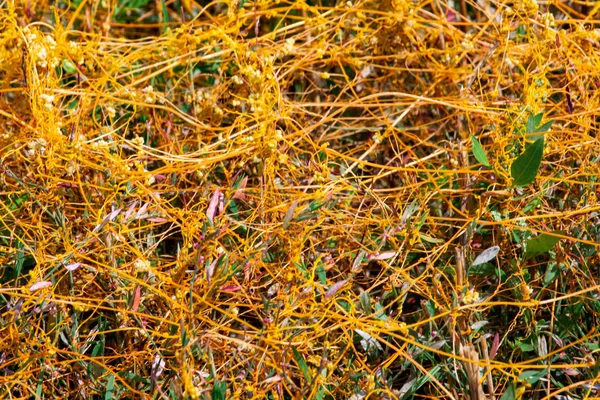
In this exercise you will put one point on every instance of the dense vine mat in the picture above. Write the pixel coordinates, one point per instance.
(299, 199)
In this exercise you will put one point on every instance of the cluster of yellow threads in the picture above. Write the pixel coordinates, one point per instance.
(536, 94)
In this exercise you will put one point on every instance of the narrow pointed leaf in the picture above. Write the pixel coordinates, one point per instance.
(212, 211)
(40, 285)
(335, 288)
(357, 263)
(136, 298)
(545, 127)
(110, 387)
(302, 364)
(239, 187)
(365, 302)
(531, 123)
(479, 152)
(219, 390)
(510, 393)
(130, 210)
(525, 168)
(486, 255)
(142, 211)
(72, 267)
(289, 214)
(210, 270)
(107, 219)
(384, 256)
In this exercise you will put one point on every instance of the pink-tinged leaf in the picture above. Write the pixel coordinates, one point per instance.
(130, 210)
(158, 367)
(210, 270)
(156, 219)
(272, 379)
(230, 288)
(107, 219)
(289, 214)
(223, 229)
(571, 372)
(142, 211)
(384, 256)
(357, 263)
(40, 285)
(495, 346)
(136, 298)
(211, 211)
(221, 204)
(451, 15)
(159, 177)
(239, 194)
(335, 288)
(72, 267)
(67, 185)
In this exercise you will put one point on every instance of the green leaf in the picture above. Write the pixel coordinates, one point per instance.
(551, 274)
(165, 16)
(110, 387)
(526, 347)
(380, 312)
(219, 390)
(532, 205)
(525, 168)
(533, 121)
(510, 393)
(430, 306)
(545, 127)
(541, 244)
(534, 125)
(322, 274)
(320, 393)
(315, 205)
(479, 152)
(429, 239)
(302, 364)
(98, 350)
(68, 67)
(532, 376)
(365, 302)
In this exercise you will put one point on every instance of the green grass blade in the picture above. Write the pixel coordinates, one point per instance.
(302, 365)
(110, 387)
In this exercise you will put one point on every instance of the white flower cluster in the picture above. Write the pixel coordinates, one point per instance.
(48, 101)
(149, 94)
(36, 146)
(111, 112)
(142, 265)
(42, 48)
(288, 47)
